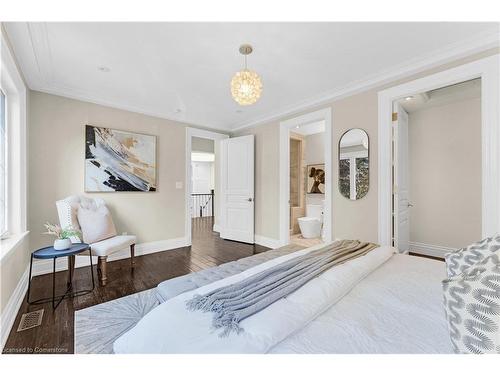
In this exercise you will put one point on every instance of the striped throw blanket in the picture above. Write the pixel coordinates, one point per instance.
(233, 303)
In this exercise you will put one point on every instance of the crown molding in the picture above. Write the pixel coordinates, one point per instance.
(43, 81)
(71, 93)
(479, 43)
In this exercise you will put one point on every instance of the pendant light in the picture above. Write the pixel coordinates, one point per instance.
(246, 86)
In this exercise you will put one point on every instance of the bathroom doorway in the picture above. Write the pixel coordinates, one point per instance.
(307, 183)
(307, 180)
(316, 190)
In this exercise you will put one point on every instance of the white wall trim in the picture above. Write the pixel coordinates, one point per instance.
(12, 83)
(430, 250)
(488, 69)
(41, 267)
(284, 175)
(267, 242)
(216, 137)
(13, 305)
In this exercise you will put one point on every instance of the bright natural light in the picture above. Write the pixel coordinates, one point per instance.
(202, 156)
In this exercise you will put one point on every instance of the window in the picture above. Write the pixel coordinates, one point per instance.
(3, 166)
(12, 152)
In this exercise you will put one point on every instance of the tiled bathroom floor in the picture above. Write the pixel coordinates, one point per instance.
(307, 242)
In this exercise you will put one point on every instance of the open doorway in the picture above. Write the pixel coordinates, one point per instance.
(307, 181)
(202, 182)
(437, 169)
(487, 70)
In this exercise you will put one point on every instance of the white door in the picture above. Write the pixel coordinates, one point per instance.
(238, 189)
(401, 180)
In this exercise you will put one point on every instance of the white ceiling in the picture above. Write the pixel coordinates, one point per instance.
(442, 96)
(310, 129)
(182, 71)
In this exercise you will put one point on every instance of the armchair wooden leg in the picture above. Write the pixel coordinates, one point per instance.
(101, 268)
(132, 255)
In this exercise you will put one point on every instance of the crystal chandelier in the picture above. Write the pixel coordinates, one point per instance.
(246, 85)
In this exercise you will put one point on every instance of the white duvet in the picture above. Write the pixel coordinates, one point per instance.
(171, 328)
(397, 309)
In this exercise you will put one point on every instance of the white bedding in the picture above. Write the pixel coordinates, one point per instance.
(396, 309)
(361, 306)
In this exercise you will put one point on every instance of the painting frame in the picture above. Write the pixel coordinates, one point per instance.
(154, 154)
(315, 180)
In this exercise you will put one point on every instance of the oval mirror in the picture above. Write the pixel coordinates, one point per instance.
(354, 166)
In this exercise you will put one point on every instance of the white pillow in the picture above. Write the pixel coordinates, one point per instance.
(472, 305)
(67, 210)
(460, 260)
(96, 223)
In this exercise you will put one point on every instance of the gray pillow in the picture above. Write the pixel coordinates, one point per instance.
(472, 305)
(458, 261)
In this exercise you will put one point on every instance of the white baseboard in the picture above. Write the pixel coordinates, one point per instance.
(13, 305)
(41, 267)
(216, 228)
(267, 242)
(430, 250)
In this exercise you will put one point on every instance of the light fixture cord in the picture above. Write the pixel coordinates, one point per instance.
(245, 62)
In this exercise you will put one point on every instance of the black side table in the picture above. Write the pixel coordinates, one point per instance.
(51, 253)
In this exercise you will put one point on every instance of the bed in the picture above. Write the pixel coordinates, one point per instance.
(382, 302)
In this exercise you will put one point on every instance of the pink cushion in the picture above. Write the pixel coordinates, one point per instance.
(96, 224)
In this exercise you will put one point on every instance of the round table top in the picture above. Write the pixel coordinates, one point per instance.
(49, 251)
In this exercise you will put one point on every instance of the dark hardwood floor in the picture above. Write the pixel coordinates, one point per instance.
(56, 333)
(426, 256)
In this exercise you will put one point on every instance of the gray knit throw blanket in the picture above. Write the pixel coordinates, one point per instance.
(232, 303)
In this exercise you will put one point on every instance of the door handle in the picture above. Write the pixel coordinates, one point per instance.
(250, 199)
(410, 205)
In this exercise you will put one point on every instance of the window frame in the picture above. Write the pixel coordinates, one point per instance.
(4, 232)
(14, 88)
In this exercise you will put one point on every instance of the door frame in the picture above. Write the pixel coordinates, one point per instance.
(396, 172)
(216, 137)
(284, 172)
(488, 69)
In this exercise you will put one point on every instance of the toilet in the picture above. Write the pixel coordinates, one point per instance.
(310, 225)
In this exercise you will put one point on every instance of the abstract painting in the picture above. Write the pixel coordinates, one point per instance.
(316, 179)
(117, 160)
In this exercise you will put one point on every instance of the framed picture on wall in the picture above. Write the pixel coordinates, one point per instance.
(117, 160)
(316, 179)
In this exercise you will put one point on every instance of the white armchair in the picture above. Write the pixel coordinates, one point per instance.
(67, 210)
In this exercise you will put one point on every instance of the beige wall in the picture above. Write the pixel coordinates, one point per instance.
(13, 266)
(356, 219)
(445, 174)
(351, 219)
(314, 152)
(56, 167)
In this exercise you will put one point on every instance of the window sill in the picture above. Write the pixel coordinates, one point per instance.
(7, 245)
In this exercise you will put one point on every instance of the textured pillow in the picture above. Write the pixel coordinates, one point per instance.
(96, 223)
(472, 305)
(67, 210)
(458, 261)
